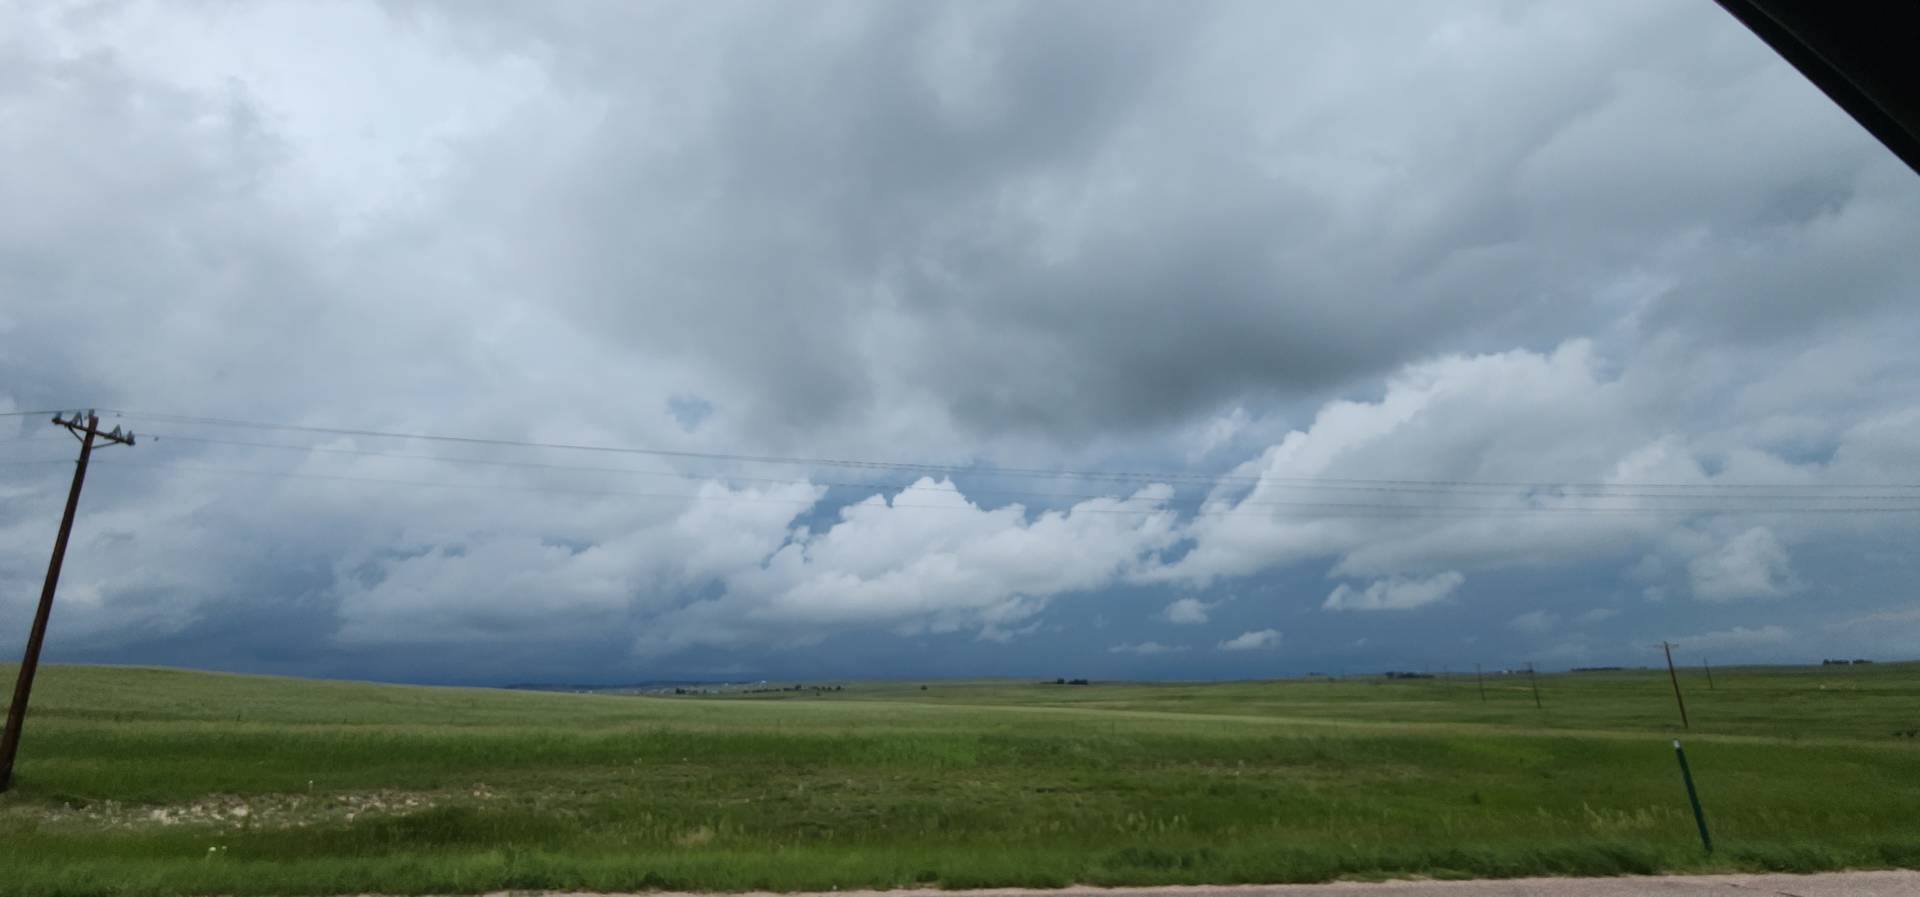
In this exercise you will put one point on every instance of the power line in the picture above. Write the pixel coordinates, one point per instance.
(691, 496)
(675, 453)
(1320, 508)
(163, 438)
(535, 465)
(974, 470)
(1162, 505)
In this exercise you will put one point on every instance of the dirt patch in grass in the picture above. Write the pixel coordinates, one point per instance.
(232, 812)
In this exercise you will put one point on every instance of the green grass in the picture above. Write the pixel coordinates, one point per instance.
(128, 776)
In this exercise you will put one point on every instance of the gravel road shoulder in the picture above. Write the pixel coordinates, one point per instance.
(1892, 883)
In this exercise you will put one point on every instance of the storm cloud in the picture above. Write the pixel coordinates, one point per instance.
(1301, 262)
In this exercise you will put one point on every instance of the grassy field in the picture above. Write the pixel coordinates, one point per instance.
(144, 781)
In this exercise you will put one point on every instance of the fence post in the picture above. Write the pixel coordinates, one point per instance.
(1693, 797)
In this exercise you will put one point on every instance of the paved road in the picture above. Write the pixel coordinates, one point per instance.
(1831, 884)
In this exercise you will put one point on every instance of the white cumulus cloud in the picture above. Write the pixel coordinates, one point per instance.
(1536, 622)
(906, 568)
(1395, 593)
(1146, 648)
(1187, 611)
(1252, 641)
(1736, 640)
(1752, 564)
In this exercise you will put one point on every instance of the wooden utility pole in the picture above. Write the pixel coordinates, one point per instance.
(1709, 668)
(1668, 647)
(86, 431)
(1536, 686)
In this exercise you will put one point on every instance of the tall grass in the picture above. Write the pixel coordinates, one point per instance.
(129, 776)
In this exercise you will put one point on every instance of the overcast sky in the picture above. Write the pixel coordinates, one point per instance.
(1445, 333)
